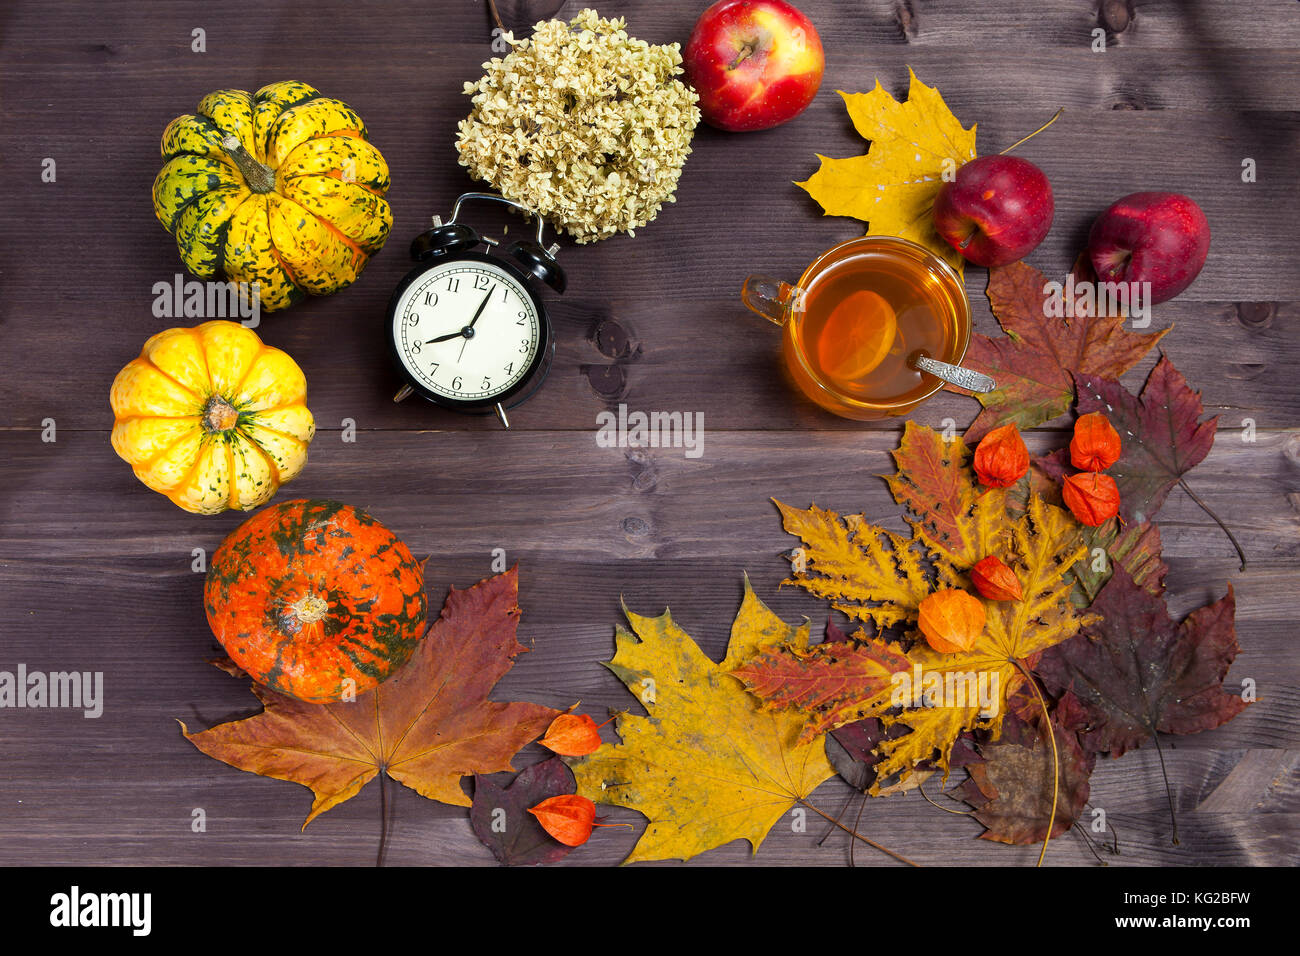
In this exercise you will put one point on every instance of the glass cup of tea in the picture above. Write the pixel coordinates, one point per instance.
(865, 321)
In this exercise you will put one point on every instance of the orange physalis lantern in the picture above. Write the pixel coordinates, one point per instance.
(1001, 458)
(995, 581)
(1095, 445)
(572, 735)
(1093, 498)
(951, 620)
(568, 817)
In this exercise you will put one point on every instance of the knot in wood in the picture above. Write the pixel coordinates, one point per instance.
(612, 339)
(1115, 15)
(1291, 449)
(607, 381)
(635, 527)
(1256, 315)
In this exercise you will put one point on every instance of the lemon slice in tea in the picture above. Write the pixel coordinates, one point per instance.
(857, 335)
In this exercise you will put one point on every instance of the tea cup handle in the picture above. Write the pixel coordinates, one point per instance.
(771, 298)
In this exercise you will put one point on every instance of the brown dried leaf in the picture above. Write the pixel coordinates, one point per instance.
(427, 726)
(1033, 361)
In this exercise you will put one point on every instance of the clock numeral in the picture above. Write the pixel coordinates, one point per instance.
(481, 282)
(510, 369)
(453, 284)
(455, 383)
(523, 347)
(523, 319)
(505, 294)
(413, 319)
(416, 345)
(431, 298)
(434, 371)
(487, 383)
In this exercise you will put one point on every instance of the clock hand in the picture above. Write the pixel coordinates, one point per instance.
(482, 306)
(460, 333)
(468, 331)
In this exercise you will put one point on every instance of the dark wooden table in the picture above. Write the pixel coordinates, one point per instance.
(95, 570)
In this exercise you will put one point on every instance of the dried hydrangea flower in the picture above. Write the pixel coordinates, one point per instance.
(583, 123)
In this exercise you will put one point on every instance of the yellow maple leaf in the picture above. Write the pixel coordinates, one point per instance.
(892, 187)
(869, 573)
(1044, 544)
(873, 574)
(947, 510)
(708, 765)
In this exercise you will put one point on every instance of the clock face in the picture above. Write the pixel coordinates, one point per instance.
(466, 331)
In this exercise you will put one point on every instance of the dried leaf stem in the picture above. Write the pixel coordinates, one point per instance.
(867, 840)
(383, 816)
(1055, 117)
(1241, 555)
(496, 16)
(1056, 757)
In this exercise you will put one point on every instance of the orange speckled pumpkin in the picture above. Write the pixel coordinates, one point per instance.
(316, 599)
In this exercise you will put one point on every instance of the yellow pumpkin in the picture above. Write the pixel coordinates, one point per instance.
(211, 417)
(280, 188)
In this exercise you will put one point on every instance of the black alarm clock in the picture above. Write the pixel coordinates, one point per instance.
(468, 328)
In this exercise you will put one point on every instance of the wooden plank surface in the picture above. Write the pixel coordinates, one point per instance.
(95, 571)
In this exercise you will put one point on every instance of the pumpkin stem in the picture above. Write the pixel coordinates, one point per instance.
(260, 177)
(309, 609)
(219, 415)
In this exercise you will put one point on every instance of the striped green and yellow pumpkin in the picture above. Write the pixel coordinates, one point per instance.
(316, 599)
(279, 187)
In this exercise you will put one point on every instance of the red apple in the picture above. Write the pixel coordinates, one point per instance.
(996, 210)
(1160, 238)
(755, 63)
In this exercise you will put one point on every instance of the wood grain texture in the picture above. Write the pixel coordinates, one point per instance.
(95, 571)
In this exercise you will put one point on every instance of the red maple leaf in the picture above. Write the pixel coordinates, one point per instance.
(1033, 361)
(1136, 673)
